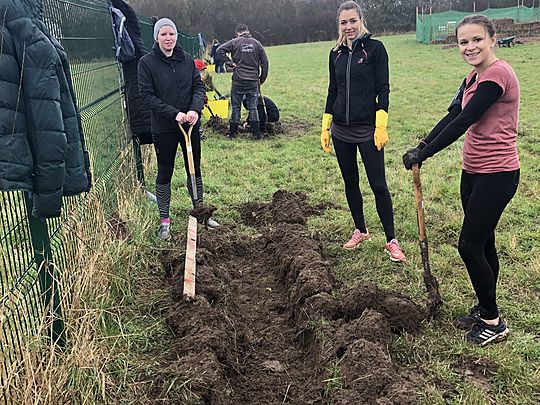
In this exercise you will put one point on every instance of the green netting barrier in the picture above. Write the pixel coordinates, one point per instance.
(437, 27)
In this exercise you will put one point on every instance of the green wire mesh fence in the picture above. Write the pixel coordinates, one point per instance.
(437, 27)
(35, 255)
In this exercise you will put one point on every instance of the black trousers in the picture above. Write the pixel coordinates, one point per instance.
(166, 146)
(484, 198)
(373, 160)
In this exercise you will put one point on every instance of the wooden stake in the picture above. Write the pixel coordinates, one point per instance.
(191, 250)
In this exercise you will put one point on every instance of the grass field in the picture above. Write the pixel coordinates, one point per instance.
(423, 81)
(118, 326)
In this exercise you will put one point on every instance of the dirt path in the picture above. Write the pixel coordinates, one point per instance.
(267, 326)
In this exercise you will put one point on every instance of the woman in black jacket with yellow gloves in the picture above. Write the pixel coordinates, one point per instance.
(172, 89)
(357, 114)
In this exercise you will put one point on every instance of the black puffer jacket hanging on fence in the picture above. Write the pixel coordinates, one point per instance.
(42, 147)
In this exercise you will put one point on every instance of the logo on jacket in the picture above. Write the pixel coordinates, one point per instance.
(364, 58)
(247, 48)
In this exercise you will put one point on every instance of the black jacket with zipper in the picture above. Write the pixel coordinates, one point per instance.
(358, 82)
(168, 86)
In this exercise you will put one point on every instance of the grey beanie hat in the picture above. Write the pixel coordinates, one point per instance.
(160, 23)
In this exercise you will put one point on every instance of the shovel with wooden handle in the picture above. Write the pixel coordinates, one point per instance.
(263, 102)
(191, 163)
(432, 286)
(267, 123)
(191, 246)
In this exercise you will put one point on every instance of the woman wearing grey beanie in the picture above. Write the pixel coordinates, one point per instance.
(171, 88)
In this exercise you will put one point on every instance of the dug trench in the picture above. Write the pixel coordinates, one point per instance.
(270, 323)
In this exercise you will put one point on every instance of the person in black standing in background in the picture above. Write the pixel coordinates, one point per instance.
(171, 88)
(217, 58)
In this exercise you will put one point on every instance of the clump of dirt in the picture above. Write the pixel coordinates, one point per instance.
(217, 124)
(285, 207)
(477, 371)
(118, 227)
(272, 129)
(267, 326)
(203, 213)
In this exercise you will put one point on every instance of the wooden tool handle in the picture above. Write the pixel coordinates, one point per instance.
(263, 102)
(187, 137)
(191, 163)
(419, 202)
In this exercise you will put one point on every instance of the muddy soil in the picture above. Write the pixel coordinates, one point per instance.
(271, 325)
(202, 213)
(221, 126)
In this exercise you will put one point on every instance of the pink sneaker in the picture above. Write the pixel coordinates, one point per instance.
(395, 252)
(357, 238)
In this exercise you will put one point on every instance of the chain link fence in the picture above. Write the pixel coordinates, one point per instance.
(37, 255)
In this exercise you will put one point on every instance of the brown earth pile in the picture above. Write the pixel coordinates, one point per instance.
(270, 324)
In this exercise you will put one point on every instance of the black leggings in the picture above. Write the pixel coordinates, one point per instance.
(484, 198)
(373, 160)
(166, 146)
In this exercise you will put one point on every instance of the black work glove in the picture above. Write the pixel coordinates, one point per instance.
(411, 157)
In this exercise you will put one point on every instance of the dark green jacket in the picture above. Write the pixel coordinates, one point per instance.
(42, 147)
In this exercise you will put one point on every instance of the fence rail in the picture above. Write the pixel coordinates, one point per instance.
(36, 254)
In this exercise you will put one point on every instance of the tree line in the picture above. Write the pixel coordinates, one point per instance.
(276, 22)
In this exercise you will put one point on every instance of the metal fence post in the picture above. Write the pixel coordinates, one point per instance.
(138, 161)
(49, 287)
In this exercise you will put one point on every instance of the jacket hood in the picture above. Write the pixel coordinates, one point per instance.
(361, 39)
(177, 55)
(33, 8)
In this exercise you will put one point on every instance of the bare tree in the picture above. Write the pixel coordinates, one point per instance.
(291, 21)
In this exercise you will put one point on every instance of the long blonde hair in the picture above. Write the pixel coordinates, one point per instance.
(349, 5)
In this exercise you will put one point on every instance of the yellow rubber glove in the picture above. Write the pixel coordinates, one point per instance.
(381, 135)
(325, 132)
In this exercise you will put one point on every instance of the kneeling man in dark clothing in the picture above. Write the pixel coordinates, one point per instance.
(271, 114)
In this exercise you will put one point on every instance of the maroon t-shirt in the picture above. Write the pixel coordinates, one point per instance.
(490, 143)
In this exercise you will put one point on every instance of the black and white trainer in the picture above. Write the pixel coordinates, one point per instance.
(483, 334)
(467, 321)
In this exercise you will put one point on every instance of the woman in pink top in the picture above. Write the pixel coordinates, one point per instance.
(486, 107)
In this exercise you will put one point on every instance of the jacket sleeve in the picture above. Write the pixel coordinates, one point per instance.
(148, 95)
(46, 135)
(15, 153)
(485, 95)
(225, 48)
(454, 109)
(78, 176)
(264, 64)
(197, 90)
(332, 87)
(382, 85)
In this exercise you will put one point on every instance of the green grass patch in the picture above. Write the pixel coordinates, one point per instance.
(423, 81)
